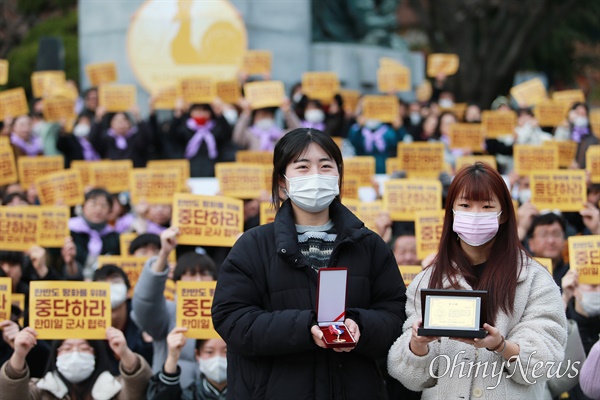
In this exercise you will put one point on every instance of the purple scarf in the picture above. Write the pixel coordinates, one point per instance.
(153, 227)
(124, 222)
(268, 137)
(374, 138)
(32, 148)
(89, 153)
(320, 126)
(79, 225)
(579, 132)
(203, 134)
(121, 141)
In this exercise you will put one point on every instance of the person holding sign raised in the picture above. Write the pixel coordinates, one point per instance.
(265, 300)
(77, 369)
(75, 145)
(521, 318)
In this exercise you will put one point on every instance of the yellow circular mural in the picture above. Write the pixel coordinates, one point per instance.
(171, 40)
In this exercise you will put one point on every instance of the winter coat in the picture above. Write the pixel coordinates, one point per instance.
(265, 305)
(537, 324)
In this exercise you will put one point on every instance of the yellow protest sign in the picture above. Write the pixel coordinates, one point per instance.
(470, 160)
(182, 165)
(165, 97)
(229, 91)
(18, 227)
(242, 181)
(207, 220)
(498, 123)
(83, 167)
(529, 158)
(424, 91)
(3, 72)
(194, 303)
(393, 79)
(350, 99)
(361, 167)
(563, 190)
(154, 186)
(392, 165)
(60, 188)
(69, 310)
(131, 265)
(170, 289)
(409, 272)
(382, 108)
(350, 187)
(321, 86)
(53, 226)
(198, 90)
(5, 298)
(254, 157)
(59, 108)
(458, 109)
(592, 162)
(466, 136)
(352, 205)
(257, 62)
(595, 122)
(402, 198)
(529, 93)
(388, 62)
(125, 240)
(428, 231)
(440, 63)
(267, 213)
(369, 212)
(18, 300)
(546, 263)
(568, 97)
(13, 103)
(110, 174)
(339, 141)
(31, 168)
(550, 113)
(117, 98)
(101, 73)
(8, 167)
(567, 151)
(44, 81)
(421, 159)
(264, 94)
(584, 257)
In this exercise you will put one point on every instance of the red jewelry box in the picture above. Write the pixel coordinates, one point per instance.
(331, 306)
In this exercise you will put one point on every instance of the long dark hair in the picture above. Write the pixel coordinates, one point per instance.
(480, 182)
(291, 146)
(84, 388)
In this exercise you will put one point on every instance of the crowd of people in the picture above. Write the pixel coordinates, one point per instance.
(264, 305)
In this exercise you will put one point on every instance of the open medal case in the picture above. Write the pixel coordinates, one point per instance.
(331, 307)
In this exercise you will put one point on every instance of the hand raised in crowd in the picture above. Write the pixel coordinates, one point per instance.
(419, 344)
(286, 105)
(135, 111)
(10, 329)
(68, 253)
(591, 218)
(383, 226)
(245, 106)
(118, 344)
(100, 112)
(168, 242)
(37, 255)
(569, 283)
(175, 342)
(525, 214)
(23, 343)
(217, 106)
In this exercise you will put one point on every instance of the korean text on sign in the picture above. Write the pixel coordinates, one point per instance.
(65, 310)
(428, 231)
(207, 220)
(194, 303)
(563, 190)
(403, 197)
(5, 298)
(584, 257)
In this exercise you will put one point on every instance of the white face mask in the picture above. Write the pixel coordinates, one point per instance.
(446, 103)
(314, 115)
(372, 124)
(313, 193)
(415, 118)
(524, 195)
(580, 121)
(118, 294)
(76, 366)
(81, 130)
(214, 368)
(590, 302)
(265, 123)
(230, 115)
(297, 97)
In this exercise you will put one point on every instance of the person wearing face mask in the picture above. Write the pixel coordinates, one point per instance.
(22, 138)
(121, 310)
(264, 303)
(154, 314)
(582, 304)
(77, 370)
(75, 145)
(480, 250)
(212, 364)
(257, 130)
